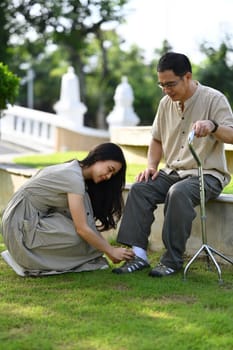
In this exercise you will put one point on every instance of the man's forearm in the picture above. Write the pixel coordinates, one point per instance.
(154, 154)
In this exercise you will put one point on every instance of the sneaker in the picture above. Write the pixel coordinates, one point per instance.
(161, 270)
(132, 265)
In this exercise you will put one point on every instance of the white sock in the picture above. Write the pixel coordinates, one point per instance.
(140, 252)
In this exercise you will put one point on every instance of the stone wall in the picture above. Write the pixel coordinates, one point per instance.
(219, 215)
(86, 139)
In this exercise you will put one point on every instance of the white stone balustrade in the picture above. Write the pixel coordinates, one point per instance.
(30, 128)
(65, 130)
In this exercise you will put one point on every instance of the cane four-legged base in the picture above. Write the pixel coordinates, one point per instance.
(209, 254)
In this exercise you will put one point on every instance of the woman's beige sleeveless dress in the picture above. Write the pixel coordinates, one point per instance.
(37, 227)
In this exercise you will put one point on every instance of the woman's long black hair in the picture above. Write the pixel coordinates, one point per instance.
(106, 196)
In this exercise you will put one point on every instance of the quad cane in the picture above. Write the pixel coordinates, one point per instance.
(205, 247)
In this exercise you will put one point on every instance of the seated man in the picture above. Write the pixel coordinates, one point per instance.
(187, 105)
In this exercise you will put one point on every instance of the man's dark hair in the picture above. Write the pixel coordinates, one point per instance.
(176, 62)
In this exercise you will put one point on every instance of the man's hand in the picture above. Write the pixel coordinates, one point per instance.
(203, 128)
(146, 174)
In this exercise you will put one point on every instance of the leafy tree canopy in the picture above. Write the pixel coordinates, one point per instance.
(217, 71)
(9, 84)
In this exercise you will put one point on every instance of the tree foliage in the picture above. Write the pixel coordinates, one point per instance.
(66, 23)
(217, 70)
(9, 84)
(50, 36)
(70, 25)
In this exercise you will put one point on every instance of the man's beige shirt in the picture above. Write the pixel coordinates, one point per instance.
(172, 127)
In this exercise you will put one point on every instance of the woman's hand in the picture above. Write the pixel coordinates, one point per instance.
(119, 254)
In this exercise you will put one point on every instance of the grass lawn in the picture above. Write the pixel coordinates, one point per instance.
(101, 310)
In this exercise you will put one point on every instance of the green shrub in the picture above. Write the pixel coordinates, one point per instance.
(9, 86)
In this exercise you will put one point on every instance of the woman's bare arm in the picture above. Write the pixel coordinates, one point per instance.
(78, 214)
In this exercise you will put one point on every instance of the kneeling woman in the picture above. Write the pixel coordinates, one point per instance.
(53, 222)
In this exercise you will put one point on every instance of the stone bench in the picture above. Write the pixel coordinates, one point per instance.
(219, 214)
(219, 226)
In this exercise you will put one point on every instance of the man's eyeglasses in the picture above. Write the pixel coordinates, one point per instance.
(169, 84)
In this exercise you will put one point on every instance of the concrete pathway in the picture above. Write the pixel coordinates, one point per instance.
(8, 151)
